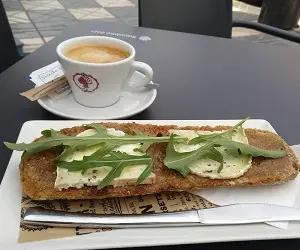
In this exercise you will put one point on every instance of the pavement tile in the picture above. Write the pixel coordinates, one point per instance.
(238, 15)
(76, 4)
(50, 18)
(26, 35)
(24, 30)
(17, 16)
(253, 10)
(22, 27)
(51, 23)
(115, 3)
(243, 32)
(235, 8)
(243, 7)
(90, 13)
(41, 5)
(235, 3)
(12, 5)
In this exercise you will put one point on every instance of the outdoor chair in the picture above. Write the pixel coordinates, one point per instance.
(206, 17)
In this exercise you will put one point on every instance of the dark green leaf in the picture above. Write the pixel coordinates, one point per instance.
(116, 160)
(111, 160)
(46, 133)
(215, 155)
(181, 161)
(147, 171)
(114, 173)
(225, 134)
(249, 149)
(52, 139)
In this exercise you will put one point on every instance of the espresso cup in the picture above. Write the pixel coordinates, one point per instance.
(101, 84)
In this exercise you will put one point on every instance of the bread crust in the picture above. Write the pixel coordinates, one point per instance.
(38, 172)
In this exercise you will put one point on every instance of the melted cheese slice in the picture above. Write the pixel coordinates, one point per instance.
(93, 176)
(234, 166)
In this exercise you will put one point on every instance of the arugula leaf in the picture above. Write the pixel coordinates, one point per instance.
(116, 160)
(114, 173)
(110, 160)
(41, 144)
(48, 132)
(215, 155)
(104, 156)
(147, 171)
(145, 145)
(249, 149)
(103, 151)
(101, 130)
(52, 139)
(227, 133)
(181, 161)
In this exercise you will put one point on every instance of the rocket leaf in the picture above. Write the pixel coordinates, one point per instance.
(53, 138)
(111, 160)
(106, 156)
(147, 171)
(225, 134)
(181, 161)
(249, 149)
(215, 155)
(116, 160)
(114, 173)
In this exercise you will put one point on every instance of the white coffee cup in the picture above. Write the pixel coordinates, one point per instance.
(100, 84)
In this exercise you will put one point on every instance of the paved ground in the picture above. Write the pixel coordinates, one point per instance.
(35, 22)
(242, 11)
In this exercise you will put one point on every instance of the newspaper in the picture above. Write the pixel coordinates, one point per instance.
(163, 202)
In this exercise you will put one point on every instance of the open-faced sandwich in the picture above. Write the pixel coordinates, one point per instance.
(103, 160)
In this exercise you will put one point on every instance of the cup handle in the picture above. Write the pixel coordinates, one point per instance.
(143, 68)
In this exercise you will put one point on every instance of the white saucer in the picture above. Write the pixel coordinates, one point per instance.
(130, 103)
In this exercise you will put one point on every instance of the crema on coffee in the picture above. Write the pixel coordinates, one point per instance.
(96, 54)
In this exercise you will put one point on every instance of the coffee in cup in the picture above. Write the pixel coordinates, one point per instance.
(94, 53)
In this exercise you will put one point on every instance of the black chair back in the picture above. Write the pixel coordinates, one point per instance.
(8, 49)
(207, 17)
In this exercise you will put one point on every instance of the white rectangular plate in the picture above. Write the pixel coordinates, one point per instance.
(10, 196)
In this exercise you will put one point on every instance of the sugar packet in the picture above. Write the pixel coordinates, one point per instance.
(50, 73)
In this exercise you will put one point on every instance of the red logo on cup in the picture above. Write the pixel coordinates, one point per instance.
(86, 83)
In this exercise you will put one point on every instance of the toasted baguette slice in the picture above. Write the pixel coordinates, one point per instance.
(38, 173)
